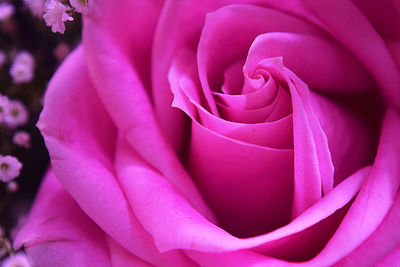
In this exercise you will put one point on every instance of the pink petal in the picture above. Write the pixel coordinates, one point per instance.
(381, 243)
(222, 168)
(365, 43)
(391, 260)
(185, 86)
(82, 159)
(126, 99)
(58, 233)
(263, 95)
(279, 108)
(319, 62)
(121, 257)
(178, 225)
(220, 45)
(348, 136)
(383, 15)
(375, 199)
(177, 29)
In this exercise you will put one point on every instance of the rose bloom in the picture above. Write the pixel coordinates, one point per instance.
(224, 133)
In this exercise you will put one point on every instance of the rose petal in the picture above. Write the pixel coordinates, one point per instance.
(223, 168)
(178, 225)
(125, 98)
(375, 199)
(177, 29)
(82, 159)
(351, 142)
(185, 86)
(281, 107)
(121, 257)
(391, 260)
(220, 46)
(385, 239)
(52, 234)
(383, 15)
(264, 94)
(232, 79)
(365, 43)
(322, 64)
(313, 165)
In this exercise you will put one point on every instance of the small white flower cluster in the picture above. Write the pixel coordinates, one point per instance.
(57, 13)
(17, 260)
(22, 68)
(9, 168)
(12, 112)
(6, 11)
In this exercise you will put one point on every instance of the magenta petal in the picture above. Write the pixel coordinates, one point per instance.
(348, 137)
(177, 29)
(365, 43)
(82, 159)
(121, 257)
(380, 244)
(375, 199)
(178, 225)
(222, 168)
(390, 260)
(313, 164)
(58, 233)
(264, 94)
(235, 259)
(383, 15)
(125, 98)
(165, 213)
(221, 46)
(185, 86)
(233, 79)
(319, 62)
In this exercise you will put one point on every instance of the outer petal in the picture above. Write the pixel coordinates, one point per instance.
(177, 225)
(82, 159)
(383, 14)
(126, 98)
(380, 244)
(365, 43)
(375, 199)
(391, 260)
(58, 233)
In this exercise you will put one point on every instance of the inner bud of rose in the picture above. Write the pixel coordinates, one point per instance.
(257, 151)
(258, 195)
(255, 98)
(249, 185)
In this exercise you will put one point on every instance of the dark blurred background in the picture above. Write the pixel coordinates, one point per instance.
(25, 31)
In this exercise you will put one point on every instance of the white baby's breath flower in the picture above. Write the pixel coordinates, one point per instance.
(6, 11)
(25, 57)
(16, 115)
(22, 68)
(9, 168)
(17, 260)
(55, 15)
(22, 138)
(21, 73)
(82, 6)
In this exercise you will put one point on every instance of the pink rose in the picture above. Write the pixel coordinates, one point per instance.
(282, 146)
